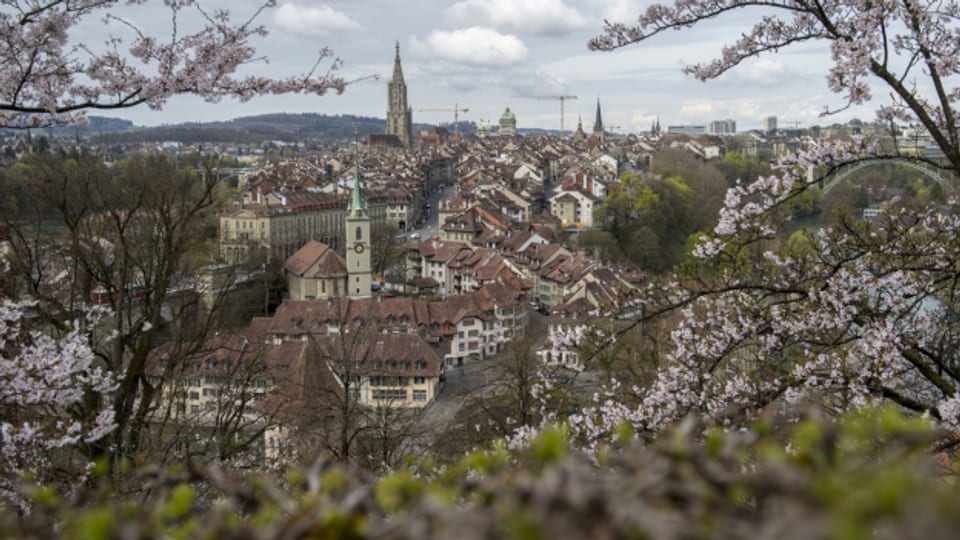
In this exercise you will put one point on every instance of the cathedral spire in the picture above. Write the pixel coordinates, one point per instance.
(397, 68)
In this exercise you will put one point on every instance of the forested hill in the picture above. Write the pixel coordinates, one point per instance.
(251, 129)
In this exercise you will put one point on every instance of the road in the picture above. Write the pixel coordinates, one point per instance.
(458, 382)
(431, 227)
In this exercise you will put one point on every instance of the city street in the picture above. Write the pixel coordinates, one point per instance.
(430, 227)
(459, 382)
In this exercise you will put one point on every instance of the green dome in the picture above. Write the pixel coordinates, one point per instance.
(507, 115)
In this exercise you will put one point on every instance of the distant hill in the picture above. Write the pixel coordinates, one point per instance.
(95, 125)
(254, 129)
(284, 127)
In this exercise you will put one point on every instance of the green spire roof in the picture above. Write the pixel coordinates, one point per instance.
(357, 209)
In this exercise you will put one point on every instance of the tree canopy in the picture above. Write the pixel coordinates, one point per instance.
(854, 313)
(47, 78)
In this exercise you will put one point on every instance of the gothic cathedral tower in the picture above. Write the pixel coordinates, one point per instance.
(357, 230)
(399, 116)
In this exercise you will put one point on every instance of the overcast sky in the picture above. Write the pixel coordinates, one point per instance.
(482, 54)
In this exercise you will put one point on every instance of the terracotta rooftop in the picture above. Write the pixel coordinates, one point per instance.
(305, 257)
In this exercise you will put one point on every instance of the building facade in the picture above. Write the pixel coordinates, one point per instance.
(723, 127)
(275, 225)
(770, 124)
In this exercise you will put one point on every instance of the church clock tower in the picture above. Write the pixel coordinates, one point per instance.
(357, 230)
(399, 114)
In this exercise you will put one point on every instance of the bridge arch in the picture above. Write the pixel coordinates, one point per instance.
(945, 176)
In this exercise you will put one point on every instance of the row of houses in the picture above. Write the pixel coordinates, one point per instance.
(375, 351)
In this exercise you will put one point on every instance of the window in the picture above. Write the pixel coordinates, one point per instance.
(421, 364)
(210, 392)
(359, 234)
(194, 395)
(419, 395)
(194, 409)
(419, 380)
(390, 394)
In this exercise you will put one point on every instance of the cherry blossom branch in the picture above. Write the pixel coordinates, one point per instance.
(43, 81)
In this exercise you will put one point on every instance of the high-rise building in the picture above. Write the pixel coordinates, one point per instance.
(770, 124)
(725, 126)
(399, 114)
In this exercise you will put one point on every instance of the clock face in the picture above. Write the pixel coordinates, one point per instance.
(358, 248)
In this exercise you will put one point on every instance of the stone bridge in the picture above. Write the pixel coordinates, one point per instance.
(942, 174)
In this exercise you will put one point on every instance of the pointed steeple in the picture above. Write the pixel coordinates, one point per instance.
(598, 123)
(397, 69)
(399, 114)
(357, 209)
(579, 134)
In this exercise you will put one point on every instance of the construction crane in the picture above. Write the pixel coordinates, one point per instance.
(456, 110)
(560, 97)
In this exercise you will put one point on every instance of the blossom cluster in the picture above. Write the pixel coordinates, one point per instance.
(865, 311)
(43, 380)
(47, 79)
